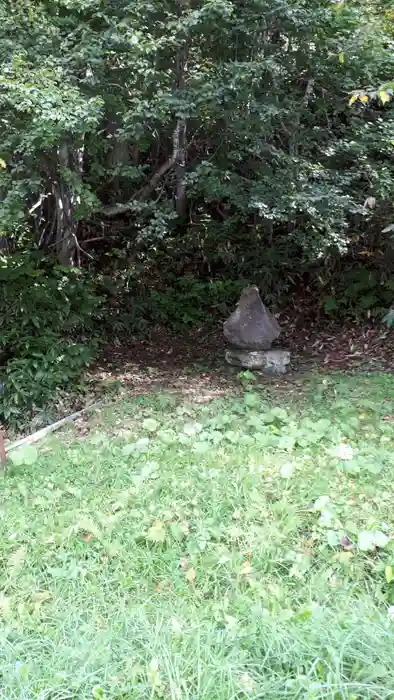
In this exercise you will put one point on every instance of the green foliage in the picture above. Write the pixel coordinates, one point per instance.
(185, 303)
(274, 167)
(27, 455)
(388, 319)
(46, 314)
(30, 382)
(268, 571)
(37, 295)
(360, 292)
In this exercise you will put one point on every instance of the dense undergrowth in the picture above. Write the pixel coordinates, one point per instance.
(54, 319)
(48, 319)
(237, 549)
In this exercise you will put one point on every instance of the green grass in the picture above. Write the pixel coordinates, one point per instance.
(205, 552)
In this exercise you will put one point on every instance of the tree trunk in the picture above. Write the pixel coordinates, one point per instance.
(65, 230)
(179, 134)
(5, 244)
(66, 243)
(179, 157)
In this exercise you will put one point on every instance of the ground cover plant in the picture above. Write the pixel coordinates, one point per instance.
(238, 548)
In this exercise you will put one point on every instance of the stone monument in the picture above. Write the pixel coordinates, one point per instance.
(251, 329)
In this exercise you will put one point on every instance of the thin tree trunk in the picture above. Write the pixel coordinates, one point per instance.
(66, 242)
(65, 226)
(5, 244)
(180, 131)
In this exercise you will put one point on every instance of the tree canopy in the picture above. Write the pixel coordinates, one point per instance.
(212, 113)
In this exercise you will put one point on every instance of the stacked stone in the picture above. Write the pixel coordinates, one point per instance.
(251, 329)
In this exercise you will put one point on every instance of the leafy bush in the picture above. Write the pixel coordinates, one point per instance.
(46, 314)
(185, 303)
(31, 381)
(360, 292)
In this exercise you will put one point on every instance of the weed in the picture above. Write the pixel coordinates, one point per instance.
(240, 549)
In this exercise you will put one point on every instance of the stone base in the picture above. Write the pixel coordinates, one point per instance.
(269, 361)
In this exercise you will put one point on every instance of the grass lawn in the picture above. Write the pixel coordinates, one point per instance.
(242, 548)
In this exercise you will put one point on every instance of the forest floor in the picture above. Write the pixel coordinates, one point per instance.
(218, 543)
(193, 364)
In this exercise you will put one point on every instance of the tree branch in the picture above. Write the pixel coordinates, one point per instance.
(144, 193)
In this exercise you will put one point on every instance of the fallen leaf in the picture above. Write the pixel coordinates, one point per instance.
(190, 575)
(246, 569)
(150, 425)
(176, 625)
(344, 452)
(369, 540)
(192, 428)
(366, 541)
(286, 470)
(247, 683)
(230, 620)
(185, 528)
(344, 557)
(333, 538)
(157, 532)
(41, 596)
(380, 538)
(321, 502)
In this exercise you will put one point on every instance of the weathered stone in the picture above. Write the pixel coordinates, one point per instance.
(251, 326)
(269, 361)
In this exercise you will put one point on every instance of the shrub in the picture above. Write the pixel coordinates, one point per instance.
(30, 382)
(46, 314)
(183, 303)
(360, 292)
